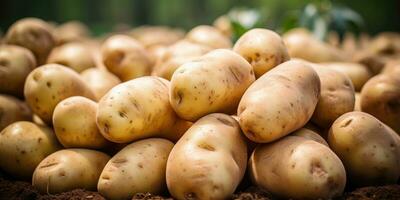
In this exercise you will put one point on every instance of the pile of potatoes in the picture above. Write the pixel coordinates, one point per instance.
(194, 115)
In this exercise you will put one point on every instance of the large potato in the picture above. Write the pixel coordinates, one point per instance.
(74, 122)
(358, 73)
(337, 96)
(49, 84)
(75, 55)
(69, 169)
(137, 168)
(209, 36)
(279, 102)
(100, 81)
(209, 161)
(125, 57)
(12, 110)
(380, 97)
(33, 34)
(136, 109)
(15, 65)
(263, 49)
(297, 168)
(368, 149)
(212, 83)
(23, 145)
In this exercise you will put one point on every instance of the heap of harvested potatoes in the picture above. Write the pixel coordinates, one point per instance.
(157, 110)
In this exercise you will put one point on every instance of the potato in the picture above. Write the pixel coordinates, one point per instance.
(279, 102)
(15, 64)
(23, 145)
(370, 153)
(357, 102)
(392, 67)
(209, 36)
(69, 169)
(33, 34)
(380, 97)
(49, 84)
(223, 24)
(74, 55)
(71, 31)
(74, 122)
(125, 57)
(337, 96)
(358, 73)
(150, 36)
(209, 161)
(135, 110)
(12, 110)
(212, 83)
(263, 49)
(100, 81)
(373, 62)
(297, 168)
(309, 134)
(137, 168)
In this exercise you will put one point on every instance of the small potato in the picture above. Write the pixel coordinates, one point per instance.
(337, 96)
(15, 65)
(212, 83)
(380, 97)
(209, 36)
(71, 31)
(69, 169)
(74, 122)
(310, 134)
(74, 55)
(49, 84)
(23, 145)
(100, 81)
(263, 49)
(358, 73)
(392, 67)
(137, 168)
(135, 110)
(12, 110)
(368, 149)
(297, 168)
(150, 36)
(209, 161)
(33, 34)
(223, 24)
(279, 102)
(125, 57)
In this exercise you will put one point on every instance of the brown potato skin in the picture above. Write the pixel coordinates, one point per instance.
(263, 49)
(209, 160)
(297, 168)
(359, 74)
(380, 97)
(13, 110)
(307, 133)
(369, 150)
(71, 31)
(279, 102)
(209, 36)
(75, 55)
(100, 81)
(16, 63)
(33, 34)
(49, 84)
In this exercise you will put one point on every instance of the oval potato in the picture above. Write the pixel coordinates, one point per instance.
(13, 110)
(209, 36)
(100, 81)
(358, 73)
(74, 55)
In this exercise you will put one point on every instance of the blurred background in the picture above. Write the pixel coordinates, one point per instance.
(104, 15)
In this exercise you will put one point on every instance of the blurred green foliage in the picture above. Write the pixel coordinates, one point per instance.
(105, 15)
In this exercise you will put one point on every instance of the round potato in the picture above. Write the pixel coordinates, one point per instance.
(151, 36)
(69, 169)
(392, 67)
(12, 110)
(15, 65)
(100, 81)
(263, 49)
(74, 122)
(223, 24)
(370, 153)
(49, 84)
(297, 168)
(358, 73)
(125, 57)
(23, 145)
(209, 36)
(71, 31)
(74, 55)
(279, 102)
(33, 34)
(135, 110)
(307, 133)
(137, 168)
(209, 160)
(380, 97)
(212, 83)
